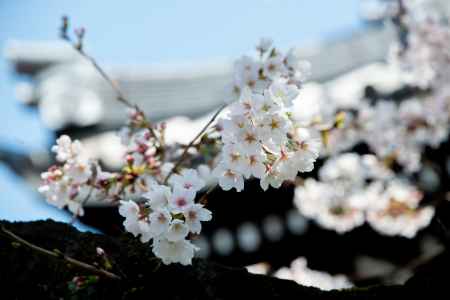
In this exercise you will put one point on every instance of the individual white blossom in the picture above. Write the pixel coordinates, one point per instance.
(56, 192)
(129, 209)
(180, 199)
(159, 221)
(274, 67)
(158, 196)
(177, 231)
(79, 172)
(188, 179)
(401, 215)
(300, 273)
(339, 199)
(264, 45)
(229, 178)
(66, 150)
(204, 172)
(321, 202)
(194, 215)
(181, 251)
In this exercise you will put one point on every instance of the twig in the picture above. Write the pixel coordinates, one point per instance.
(204, 198)
(444, 229)
(120, 96)
(186, 149)
(412, 265)
(59, 254)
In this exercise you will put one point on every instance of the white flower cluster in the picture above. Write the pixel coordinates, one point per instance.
(258, 74)
(66, 185)
(143, 165)
(400, 213)
(300, 273)
(168, 213)
(398, 132)
(139, 141)
(260, 138)
(353, 189)
(425, 56)
(402, 131)
(168, 216)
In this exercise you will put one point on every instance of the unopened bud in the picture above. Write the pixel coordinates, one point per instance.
(79, 32)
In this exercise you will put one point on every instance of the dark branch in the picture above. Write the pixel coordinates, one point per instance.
(59, 254)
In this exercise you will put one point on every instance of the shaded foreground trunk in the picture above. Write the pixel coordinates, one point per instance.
(25, 274)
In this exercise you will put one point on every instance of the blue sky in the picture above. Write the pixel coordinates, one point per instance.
(149, 32)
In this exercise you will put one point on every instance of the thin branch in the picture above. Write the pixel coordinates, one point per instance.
(204, 198)
(412, 265)
(120, 96)
(444, 229)
(58, 254)
(186, 149)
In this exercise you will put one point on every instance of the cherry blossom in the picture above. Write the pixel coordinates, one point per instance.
(181, 251)
(188, 179)
(260, 138)
(300, 273)
(354, 189)
(194, 215)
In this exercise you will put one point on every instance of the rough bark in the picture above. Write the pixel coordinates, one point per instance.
(25, 274)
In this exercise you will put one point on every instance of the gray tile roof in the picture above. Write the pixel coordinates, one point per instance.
(167, 90)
